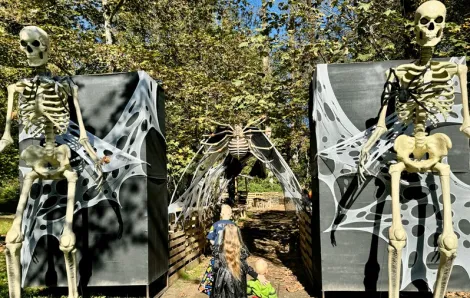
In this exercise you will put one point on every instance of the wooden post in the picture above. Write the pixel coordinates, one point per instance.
(246, 186)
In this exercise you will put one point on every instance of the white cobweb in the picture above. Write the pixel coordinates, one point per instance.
(209, 181)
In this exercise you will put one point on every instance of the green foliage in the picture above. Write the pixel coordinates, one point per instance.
(259, 185)
(221, 60)
(9, 193)
(5, 224)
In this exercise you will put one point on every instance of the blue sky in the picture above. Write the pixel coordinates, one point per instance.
(257, 3)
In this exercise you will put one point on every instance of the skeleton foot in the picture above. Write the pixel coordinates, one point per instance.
(14, 242)
(67, 246)
(448, 250)
(397, 237)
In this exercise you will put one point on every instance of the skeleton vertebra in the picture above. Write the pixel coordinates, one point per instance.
(435, 95)
(43, 106)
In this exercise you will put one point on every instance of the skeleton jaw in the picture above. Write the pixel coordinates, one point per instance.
(35, 60)
(429, 40)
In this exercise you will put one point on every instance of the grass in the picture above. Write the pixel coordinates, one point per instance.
(5, 223)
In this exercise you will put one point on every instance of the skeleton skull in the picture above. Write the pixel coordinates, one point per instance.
(430, 19)
(35, 43)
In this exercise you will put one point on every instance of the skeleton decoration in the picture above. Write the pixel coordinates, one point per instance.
(43, 110)
(138, 123)
(421, 90)
(238, 139)
(224, 153)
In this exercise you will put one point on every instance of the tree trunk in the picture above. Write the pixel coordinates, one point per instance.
(265, 32)
(291, 33)
(107, 22)
(108, 15)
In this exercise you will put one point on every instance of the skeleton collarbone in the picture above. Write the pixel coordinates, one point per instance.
(43, 101)
(441, 101)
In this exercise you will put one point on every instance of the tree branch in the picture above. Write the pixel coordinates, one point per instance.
(116, 9)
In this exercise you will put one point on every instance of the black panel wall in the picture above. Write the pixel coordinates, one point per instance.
(119, 247)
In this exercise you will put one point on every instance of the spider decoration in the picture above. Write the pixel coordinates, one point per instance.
(237, 139)
(393, 89)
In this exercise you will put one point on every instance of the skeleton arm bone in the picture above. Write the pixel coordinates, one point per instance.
(462, 72)
(6, 138)
(84, 139)
(378, 132)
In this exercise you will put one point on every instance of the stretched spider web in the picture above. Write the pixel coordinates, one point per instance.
(339, 143)
(210, 181)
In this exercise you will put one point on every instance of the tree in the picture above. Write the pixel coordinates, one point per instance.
(225, 60)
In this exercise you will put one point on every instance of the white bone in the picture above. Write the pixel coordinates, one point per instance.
(429, 23)
(35, 43)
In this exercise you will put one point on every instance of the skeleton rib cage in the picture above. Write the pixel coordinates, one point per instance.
(44, 101)
(431, 96)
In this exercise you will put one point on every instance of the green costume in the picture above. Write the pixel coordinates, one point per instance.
(257, 289)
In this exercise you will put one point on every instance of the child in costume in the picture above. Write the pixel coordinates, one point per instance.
(230, 266)
(255, 288)
(215, 232)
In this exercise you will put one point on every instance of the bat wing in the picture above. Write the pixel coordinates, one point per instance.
(207, 182)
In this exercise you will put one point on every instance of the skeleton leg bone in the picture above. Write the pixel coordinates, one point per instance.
(256, 122)
(221, 124)
(14, 239)
(217, 133)
(67, 240)
(216, 143)
(447, 240)
(262, 148)
(397, 234)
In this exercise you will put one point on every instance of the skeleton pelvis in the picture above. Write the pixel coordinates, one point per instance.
(46, 165)
(436, 146)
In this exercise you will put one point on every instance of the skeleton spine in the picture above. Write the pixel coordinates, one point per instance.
(421, 113)
(426, 55)
(50, 138)
(420, 127)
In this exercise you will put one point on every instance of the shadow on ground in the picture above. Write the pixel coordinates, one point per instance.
(274, 236)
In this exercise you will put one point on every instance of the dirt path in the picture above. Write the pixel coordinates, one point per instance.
(270, 235)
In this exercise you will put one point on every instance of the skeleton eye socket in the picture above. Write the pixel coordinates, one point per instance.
(36, 43)
(23, 43)
(439, 20)
(423, 21)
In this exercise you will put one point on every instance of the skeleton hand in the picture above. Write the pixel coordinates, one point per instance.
(99, 171)
(4, 142)
(97, 162)
(378, 132)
